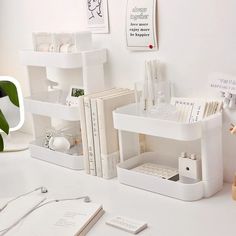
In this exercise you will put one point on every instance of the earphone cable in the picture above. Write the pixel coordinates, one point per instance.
(14, 199)
(39, 205)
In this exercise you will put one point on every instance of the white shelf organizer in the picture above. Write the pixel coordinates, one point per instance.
(45, 105)
(130, 122)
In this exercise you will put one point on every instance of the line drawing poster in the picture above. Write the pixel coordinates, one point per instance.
(141, 25)
(97, 16)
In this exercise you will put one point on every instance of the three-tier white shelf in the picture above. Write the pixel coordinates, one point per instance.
(131, 121)
(45, 104)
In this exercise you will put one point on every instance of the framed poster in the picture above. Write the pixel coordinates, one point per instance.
(97, 16)
(141, 17)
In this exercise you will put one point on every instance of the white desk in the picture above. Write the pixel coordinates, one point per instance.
(165, 216)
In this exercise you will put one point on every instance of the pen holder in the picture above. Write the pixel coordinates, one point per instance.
(150, 96)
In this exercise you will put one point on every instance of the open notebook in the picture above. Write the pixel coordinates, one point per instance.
(68, 218)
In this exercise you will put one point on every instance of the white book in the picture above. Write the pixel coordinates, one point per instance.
(89, 126)
(70, 218)
(96, 137)
(196, 111)
(107, 133)
(84, 135)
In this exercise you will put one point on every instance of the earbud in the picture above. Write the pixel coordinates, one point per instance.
(87, 199)
(43, 190)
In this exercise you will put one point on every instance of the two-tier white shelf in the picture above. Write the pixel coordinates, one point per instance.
(131, 121)
(45, 104)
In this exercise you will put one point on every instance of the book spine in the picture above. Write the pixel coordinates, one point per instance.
(89, 128)
(96, 138)
(102, 137)
(84, 135)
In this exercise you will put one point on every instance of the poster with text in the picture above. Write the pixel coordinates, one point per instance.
(97, 16)
(141, 25)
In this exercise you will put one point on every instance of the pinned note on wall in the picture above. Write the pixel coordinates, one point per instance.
(97, 16)
(141, 25)
(223, 82)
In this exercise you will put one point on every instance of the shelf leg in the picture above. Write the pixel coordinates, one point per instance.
(129, 145)
(37, 79)
(211, 152)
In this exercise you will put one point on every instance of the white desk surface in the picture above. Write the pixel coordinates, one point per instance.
(165, 216)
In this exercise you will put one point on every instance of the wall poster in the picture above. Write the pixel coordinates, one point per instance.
(97, 16)
(141, 32)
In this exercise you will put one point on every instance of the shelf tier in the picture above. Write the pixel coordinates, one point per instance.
(179, 190)
(51, 104)
(130, 118)
(62, 159)
(63, 60)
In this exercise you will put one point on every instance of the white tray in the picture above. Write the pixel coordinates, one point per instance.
(130, 118)
(62, 60)
(51, 104)
(58, 158)
(185, 192)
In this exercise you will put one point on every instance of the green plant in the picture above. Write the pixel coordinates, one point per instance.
(7, 88)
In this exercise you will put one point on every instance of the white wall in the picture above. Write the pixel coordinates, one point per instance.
(196, 38)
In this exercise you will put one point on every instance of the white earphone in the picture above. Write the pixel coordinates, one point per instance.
(39, 205)
(43, 190)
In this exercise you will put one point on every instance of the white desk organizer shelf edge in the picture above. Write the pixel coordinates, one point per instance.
(59, 158)
(63, 60)
(186, 192)
(48, 104)
(126, 118)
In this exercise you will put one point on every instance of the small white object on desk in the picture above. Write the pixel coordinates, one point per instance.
(190, 167)
(126, 224)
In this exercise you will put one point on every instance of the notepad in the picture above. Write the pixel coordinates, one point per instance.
(70, 218)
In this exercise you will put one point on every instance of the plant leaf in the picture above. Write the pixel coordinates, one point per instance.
(10, 89)
(4, 126)
(1, 143)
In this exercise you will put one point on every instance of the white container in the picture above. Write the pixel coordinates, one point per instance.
(58, 158)
(130, 122)
(51, 104)
(186, 192)
(132, 119)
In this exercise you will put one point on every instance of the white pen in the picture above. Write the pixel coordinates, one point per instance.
(145, 88)
(150, 82)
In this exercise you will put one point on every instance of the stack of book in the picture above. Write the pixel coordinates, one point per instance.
(100, 139)
(193, 110)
